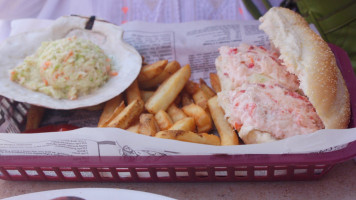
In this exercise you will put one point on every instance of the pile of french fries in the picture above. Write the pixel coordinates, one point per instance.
(162, 102)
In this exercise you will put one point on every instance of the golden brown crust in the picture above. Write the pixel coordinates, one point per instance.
(309, 57)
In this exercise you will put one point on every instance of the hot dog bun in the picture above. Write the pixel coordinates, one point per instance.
(309, 57)
(306, 56)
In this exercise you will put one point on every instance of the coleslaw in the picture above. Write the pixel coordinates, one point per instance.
(64, 69)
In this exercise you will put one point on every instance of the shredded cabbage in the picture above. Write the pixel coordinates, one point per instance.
(64, 69)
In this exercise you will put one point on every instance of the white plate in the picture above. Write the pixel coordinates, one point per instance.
(90, 194)
(126, 61)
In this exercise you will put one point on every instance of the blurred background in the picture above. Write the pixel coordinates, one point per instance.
(335, 20)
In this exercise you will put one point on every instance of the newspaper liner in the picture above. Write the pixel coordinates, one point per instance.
(195, 43)
(126, 61)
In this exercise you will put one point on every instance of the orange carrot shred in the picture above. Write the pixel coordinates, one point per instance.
(57, 75)
(68, 56)
(12, 75)
(112, 73)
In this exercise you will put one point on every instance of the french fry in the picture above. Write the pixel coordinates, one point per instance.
(127, 115)
(109, 109)
(145, 95)
(163, 120)
(201, 117)
(148, 125)
(175, 113)
(168, 134)
(201, 99)
(116, 112)
(188, 136)
(134, 128)
(34, 117)
(132, 92)
(168, 91)
(186, 98)
(185, 124)
(170, 69)
(227, 134)
(215, 82)
(152, 70)
(178, 100)
(201, 138)
(191, 87)
(206, 89)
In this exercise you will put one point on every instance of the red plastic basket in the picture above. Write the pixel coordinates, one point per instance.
(251, 167)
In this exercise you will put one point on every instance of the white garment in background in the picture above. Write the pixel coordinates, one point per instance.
(112, 10)
(121, 11)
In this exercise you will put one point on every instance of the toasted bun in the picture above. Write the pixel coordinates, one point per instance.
(309, 57)
(252, 136)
